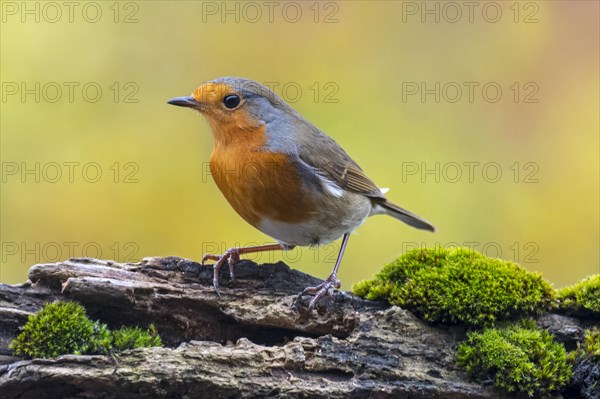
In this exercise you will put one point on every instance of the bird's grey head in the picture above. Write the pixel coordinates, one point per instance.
(260, 101)
(247, 104)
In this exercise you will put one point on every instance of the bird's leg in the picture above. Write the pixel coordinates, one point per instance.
(330, 283)
(232, 256)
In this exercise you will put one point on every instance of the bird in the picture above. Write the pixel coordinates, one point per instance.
(284, 176)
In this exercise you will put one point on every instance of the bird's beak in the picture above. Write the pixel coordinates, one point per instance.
(186, 101)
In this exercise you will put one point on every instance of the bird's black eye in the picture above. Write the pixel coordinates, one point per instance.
(231, 101)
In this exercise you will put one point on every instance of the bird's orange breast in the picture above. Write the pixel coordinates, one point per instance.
(258, 183)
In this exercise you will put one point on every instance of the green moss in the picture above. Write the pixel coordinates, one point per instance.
(63, 327)
(518, 358)
(459, 285)
(59, 328)
(135, 337)
(583, 298)
(591, 344)
(586, 365)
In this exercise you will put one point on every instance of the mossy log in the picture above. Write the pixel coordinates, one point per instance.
(249, 343)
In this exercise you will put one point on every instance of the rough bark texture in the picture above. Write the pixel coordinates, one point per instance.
(248, 344)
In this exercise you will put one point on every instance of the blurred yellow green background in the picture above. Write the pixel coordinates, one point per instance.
(482, 117)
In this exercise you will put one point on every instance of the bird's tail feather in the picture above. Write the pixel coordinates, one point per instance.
(402, 214)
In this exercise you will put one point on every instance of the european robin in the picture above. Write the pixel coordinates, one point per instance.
(283, 175)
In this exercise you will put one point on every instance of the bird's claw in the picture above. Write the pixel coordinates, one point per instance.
(231, 256)
(327, 288)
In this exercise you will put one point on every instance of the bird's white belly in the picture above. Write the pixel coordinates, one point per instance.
(310, 232)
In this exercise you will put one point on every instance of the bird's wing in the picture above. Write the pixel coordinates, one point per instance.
(324, 155)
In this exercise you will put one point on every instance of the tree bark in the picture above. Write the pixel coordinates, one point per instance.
(247, 344)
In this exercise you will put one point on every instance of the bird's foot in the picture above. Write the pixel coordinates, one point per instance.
(324, 289)
(231, 256)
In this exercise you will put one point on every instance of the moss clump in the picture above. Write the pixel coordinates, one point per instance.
(135, 337)
(459, 285)
(59, 328)
(591, 345)
(586, 365)
(63, 327)
(583, 298)
(518, 358)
